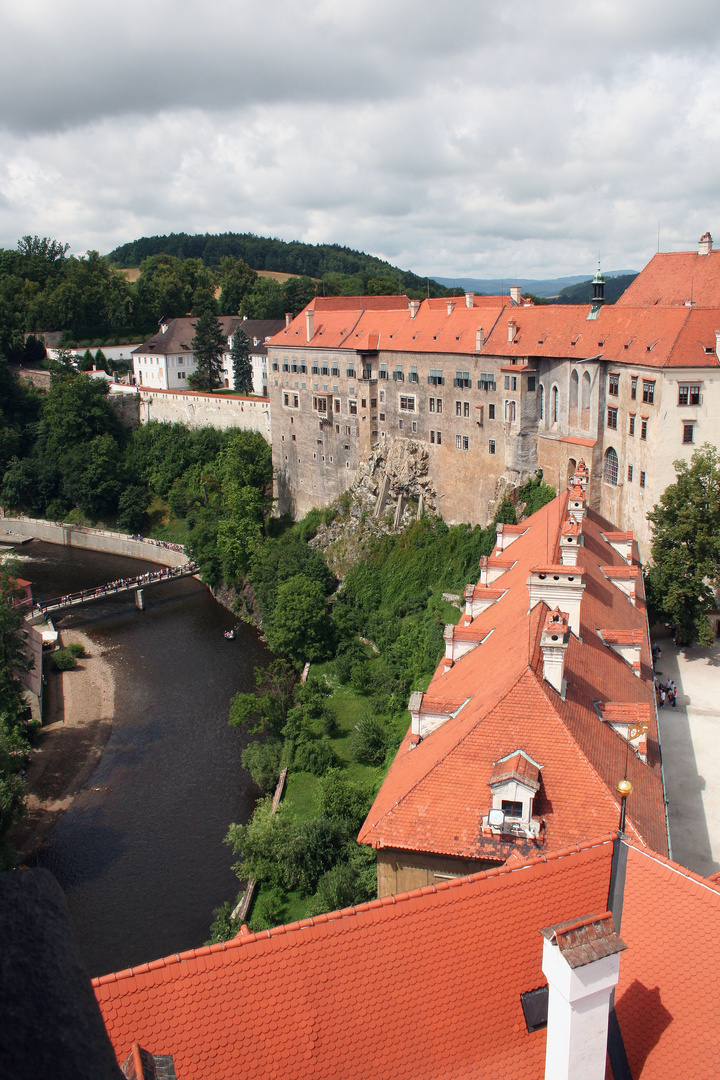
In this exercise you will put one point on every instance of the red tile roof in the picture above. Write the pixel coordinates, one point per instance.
(672, 278)
(434, 796)
(339, 995)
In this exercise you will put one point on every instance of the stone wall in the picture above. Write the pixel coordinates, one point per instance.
(90, 540)
(195, 410)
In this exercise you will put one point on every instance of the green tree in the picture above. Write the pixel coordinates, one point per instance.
(236, 279)
(301, 627)
(684, 575)
(242, 368)
(266, 300)
(262, 760)
(208, 346)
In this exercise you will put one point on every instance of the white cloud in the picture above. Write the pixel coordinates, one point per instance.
(461, 139)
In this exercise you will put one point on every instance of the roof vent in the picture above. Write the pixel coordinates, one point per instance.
(705, 244)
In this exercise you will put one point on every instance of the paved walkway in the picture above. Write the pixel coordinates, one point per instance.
(690, 738)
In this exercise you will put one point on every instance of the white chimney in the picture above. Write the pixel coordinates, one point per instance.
(450, 307)
(553, 643)
(512, 330)
(516, 294)
(469, 299)
(480, 339)
(288, 318)
(705, 244)
(571, 538)
(558, 586)
(581, 962)
(577, 505)
(414, 306)
(310, 323)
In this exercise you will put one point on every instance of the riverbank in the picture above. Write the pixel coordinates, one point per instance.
(80, 709)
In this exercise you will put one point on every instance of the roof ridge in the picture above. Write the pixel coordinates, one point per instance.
(344, 913)
(644, 849)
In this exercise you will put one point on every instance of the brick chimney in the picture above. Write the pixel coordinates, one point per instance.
(553, 643)
(705, 244)
(480, 339)
(581, 962)
(310, 323)
(470, 299)
(414, 306)
(516, 294)
(288, 318)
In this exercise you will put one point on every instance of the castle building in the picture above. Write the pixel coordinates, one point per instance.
(543, 700)
(494, 388)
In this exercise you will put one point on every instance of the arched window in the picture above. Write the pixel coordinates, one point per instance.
(574, 387)
(586, 390)
(554, 404)
(611, 466)
(542, 402)
(572, 466)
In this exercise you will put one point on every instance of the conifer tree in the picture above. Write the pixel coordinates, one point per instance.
(208, 346)
(242, 368)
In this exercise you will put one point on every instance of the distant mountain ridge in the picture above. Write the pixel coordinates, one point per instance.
(543, 287)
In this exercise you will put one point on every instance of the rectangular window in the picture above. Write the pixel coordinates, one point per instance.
(382, 395)
(350, 372)
(373, 403)
(286, 366)
(612, 418)
(479, 411)
(688, 433)
(400, 423)
(398, 374)
(432, 436)
(510, 411)
(276, 366)
(614, 384)
(491, 446)
(292, 436)
(432, 404)
(363, 403)
(435, 378)
(337, 404)
(466, 442)
(382, 373)
(382, 415)
(335, 371)
(512, 809)
(458, 442)
(491, 412)
(296, 401)
(413, 376)
(631, 427)
(486, 381)
(642, 479)
(633, 387)
(353, 408)
(303, 368)
(438, 403)
(315, 369)
(630, 472)
(414, 425)
(347, 431)
(466, 408)
(643, 428)
(438, 437)
(407, 404)
(688, 395)
(458, 408)
(531, 383)
(648, 392)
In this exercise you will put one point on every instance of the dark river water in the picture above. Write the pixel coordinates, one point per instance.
(140, 853)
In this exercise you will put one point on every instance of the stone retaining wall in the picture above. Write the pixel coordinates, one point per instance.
(90, 539)
(195, 409)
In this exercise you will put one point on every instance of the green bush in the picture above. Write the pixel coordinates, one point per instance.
(370, 740)
(343, 798)
(262, 760)
(76, 649)
(316, 756)
(63, 660)
(223, 928)
(349, 883)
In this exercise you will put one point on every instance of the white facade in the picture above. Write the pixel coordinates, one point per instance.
(163, 372)
(259, 363)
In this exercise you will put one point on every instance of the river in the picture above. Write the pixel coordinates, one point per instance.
(140, 854)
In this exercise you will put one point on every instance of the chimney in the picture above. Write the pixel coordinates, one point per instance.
(705, 244)
(480, 339)
(558, 586)
(577, 506)
(310, 323)
(581, 475)
(571, 538)
(512, 330)
(450, 307)
(470, 299)
(581, 962)
(414, 306)
(554, 642)
(288, 318)
(516, 294)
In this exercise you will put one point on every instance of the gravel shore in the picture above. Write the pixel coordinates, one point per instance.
(80, 707)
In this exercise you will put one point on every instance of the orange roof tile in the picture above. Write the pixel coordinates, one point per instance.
(673, 278)
(337, 995)
(433, 799)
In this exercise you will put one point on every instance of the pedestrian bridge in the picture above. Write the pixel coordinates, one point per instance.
(136, 585)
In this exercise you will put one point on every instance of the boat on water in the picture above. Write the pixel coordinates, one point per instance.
(230, 634)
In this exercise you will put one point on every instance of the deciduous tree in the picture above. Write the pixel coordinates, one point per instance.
(684, 575)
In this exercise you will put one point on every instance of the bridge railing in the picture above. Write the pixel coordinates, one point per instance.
(119, 585)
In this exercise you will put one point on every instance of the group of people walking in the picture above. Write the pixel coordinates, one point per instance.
(119, 583)
(666, 693)
(161, 543)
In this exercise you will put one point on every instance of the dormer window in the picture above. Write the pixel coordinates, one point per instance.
(514, 782)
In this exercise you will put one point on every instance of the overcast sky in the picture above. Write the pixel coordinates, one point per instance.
(459, 138)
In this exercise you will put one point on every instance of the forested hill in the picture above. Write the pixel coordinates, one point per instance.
(582, 292)
(264, 253)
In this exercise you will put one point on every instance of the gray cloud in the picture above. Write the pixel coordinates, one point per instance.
(455, 140)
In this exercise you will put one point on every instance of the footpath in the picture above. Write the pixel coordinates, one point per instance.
(690, 739)
(57, 532)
